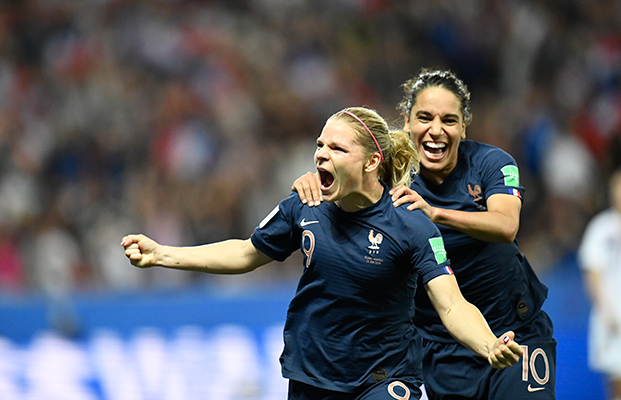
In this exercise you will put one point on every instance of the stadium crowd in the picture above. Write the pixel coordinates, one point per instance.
(226, 93)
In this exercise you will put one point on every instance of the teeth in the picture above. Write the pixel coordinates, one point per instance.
(431, 155)
(435, 145)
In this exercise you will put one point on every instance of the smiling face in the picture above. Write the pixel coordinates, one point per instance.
(345, 171)
(436, 127)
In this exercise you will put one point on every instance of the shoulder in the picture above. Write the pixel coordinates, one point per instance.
(414, 222)
(484, 151)
(292, 202)
(606, 218)
(421, 239)
(594, 246)
(286, 208)
(491, 163)
(402, 222)
(606, 224)
(289, 204)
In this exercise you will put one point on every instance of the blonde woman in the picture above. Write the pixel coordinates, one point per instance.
(349, 331)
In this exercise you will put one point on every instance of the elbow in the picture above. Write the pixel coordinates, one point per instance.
(507, 237)
(509, 233)
(504, 232)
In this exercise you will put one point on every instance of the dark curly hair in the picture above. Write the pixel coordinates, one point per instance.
(429, 77)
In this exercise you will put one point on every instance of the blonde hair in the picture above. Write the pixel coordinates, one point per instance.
(400, 158)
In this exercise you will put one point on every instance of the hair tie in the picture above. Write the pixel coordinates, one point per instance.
(365, 127)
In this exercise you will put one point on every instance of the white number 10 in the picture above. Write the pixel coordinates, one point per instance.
(528, 364)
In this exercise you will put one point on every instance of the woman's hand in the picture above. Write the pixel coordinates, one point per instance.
(505, 351)
(402, 194)
(140, 250)
(308, 188)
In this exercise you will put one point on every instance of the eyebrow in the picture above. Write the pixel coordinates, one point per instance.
(451, 115)
(339, 144)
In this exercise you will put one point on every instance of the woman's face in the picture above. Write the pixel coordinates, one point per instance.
(436, 126)
(340, 162)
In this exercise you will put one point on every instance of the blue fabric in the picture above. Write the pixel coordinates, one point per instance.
(353, 309)
(452, 373)
(496, 277)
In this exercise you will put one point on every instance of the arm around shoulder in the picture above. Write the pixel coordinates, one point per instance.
(500, 223)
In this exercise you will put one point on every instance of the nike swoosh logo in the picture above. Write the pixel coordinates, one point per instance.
(532, 389)
(304, 222)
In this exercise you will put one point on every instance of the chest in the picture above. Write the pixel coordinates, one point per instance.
(353, 257)
(462, 190)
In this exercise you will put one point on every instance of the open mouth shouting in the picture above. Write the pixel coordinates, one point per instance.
(326, 178)
(434, 150)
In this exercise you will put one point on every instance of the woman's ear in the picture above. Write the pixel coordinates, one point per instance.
(406, 124)
(373, 162)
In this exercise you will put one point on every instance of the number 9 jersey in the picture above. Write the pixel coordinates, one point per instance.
(350, 323)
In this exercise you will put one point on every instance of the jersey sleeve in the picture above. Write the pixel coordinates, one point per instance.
(428, 255)
(500, 173)
(276, 234)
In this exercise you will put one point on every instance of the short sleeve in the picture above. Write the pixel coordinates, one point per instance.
(440, 265)
(429, 255)
(501, 174)
(276, 236)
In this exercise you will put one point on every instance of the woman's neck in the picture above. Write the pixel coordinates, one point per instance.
(359, 200)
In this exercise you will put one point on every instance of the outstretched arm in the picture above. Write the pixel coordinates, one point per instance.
(468, 326)
(500, 223)
(227, 257)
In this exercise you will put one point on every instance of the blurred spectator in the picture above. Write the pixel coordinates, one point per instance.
(223, 92)
(12, 269)
(57, 267)
(600, 258)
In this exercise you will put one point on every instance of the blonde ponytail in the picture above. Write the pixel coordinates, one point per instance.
(399, 157)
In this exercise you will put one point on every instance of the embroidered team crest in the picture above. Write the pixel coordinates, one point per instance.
(375, 240)
(374, 249)
(475, 192)
(477, 196)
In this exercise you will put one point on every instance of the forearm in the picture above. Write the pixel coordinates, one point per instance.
(227, 257)
(485, 225)
(468, 326)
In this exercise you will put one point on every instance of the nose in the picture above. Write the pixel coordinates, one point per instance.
(435, 128)
(321, 153)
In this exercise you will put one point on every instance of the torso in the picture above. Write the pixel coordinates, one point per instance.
(494, 276)
(354, 302)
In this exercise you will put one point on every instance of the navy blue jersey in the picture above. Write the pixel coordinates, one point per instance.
(350, 320)
(496, 277)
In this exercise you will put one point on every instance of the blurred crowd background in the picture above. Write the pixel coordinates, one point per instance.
(189, 120)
